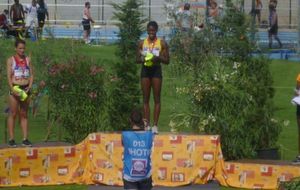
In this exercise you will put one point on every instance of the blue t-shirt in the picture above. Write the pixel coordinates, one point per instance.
(137, 155)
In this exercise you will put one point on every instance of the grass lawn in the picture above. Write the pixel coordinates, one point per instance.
(284, 74)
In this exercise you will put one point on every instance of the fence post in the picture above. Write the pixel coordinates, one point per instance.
(55, 11)
(149, 10)
(290, 15)
(8, 5)
(102, 13)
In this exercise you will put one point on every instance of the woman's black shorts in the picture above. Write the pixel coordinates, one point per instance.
(86, 24)
(151, 72)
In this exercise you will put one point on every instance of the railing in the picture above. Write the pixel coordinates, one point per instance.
(70, 11)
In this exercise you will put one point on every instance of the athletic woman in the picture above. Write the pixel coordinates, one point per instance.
(19, 74)
(151, 53)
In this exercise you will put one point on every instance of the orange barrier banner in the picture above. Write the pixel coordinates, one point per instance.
(259, 176)
(176, 160)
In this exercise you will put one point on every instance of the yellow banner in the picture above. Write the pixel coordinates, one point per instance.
(176, 160)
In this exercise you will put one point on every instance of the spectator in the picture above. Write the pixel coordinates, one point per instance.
(137, 174)
(4, 25)
(297, 94)
(258, 8)
(185, 21)
(86, 22)
(213, 11)
(31, 10)
(273, 26)
(273, 2)
(17, 14)
(42, 12)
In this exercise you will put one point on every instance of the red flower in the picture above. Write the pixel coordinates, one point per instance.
(92, 95)
(96, 69)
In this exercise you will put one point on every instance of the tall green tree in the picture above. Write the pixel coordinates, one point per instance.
(125, 91)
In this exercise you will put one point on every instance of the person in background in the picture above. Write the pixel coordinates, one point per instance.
(19, 74)
(17, 14)
(151, 52)
(42, 13)
(297, 93)
(185, 21)
(258, 8)
(137, 174)
(4, 24)
(86, 22)
(31, 10)
(213, 12)
(274, 3)
(273, 26)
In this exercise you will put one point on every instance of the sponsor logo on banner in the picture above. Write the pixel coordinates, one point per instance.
(62, 170)
(230, 168)
(109, 148)
(46, 161)
(191, 146)
(208, 156)
(101, 163)
(139, 167)
(167, 155)
(69, 151)
(162, 173)
(175, 139)
(177, 177)
(31, 153)
(258, 186)
(266, 170)
(95, 138)
(53, 157)
(41, 179)
(198, 142)
(24, 172)
(215, 139)
(246, 174)
(16, 159)
(184, 163)
(117, 143)
(99, 176)
(158, 143)
(4, 181)
(8, 163)
(286, 177)
(202, 172)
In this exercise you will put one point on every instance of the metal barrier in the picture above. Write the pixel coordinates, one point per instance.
(70, 11)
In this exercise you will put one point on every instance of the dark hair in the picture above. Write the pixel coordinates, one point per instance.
(5, 11)
(187, 6)
(153, 24)
(87, 3)
(136, 117)
(19, 41)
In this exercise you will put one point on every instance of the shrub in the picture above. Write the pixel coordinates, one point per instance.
(77, 95)
(230, 91)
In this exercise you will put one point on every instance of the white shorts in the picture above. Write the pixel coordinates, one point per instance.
(31, 22)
